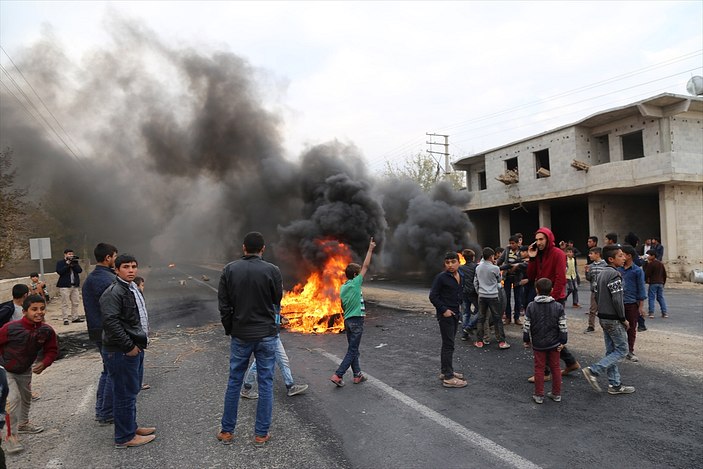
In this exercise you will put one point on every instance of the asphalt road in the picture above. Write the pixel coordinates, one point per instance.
(401, 418)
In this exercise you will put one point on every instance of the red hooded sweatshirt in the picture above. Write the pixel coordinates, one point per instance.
(549, 263)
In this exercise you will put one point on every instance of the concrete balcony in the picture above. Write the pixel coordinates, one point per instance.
(566, 181)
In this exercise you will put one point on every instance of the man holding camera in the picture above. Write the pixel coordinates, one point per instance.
(69, 281)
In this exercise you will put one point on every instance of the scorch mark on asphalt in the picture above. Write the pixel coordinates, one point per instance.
(470, 437)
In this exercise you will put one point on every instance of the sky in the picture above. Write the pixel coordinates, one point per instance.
(380, 75)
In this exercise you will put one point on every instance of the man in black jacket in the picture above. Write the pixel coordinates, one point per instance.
(68, 283)
(124, 340)
(250, 290)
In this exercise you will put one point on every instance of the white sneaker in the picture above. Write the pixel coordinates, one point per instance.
(297, 389)
(621, 389)
(632, 357)
(13, 445)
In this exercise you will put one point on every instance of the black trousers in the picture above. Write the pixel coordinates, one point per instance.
(448, 327)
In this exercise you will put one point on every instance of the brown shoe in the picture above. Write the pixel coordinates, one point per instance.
(225, 437)
(456, 375)
(531, 379)
(138, 440)
(145, 431)
(261, 440)
(454, 383)
(570, 368)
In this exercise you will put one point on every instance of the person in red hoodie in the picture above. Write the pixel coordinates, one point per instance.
(20, 343)
(548, 261)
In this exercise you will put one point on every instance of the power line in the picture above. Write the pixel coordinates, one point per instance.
(582, 88)
(39, 113)
(42, 101)
(397, 151)
(590, 98)
(42, 123)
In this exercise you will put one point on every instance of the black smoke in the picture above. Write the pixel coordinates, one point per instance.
(176, 153)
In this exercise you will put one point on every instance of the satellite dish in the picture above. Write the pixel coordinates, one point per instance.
(695, 86)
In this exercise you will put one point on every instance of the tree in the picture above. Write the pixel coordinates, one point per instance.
(424, 170)
(12, 239)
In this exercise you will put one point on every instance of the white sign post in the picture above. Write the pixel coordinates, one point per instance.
(40, 248)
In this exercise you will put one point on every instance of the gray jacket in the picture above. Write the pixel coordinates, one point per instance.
(609, 295)
(487, 280)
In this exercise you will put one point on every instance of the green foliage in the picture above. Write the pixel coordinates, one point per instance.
(425, 171)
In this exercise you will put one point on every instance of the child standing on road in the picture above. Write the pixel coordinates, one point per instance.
(611, 313)
(655, 277)
(572, 278)
(37, 287)
(20, 343)
(446, 295)
(487, 284)
(354, 312)
(597, 264)
(633, 296)
(545, 329)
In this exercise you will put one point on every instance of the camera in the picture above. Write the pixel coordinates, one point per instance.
(74, 259)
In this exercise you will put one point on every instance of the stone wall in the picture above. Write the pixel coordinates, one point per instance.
(682, 224)
(7, 284)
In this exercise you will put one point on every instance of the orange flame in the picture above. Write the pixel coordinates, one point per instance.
(314, 307)
(462, 261)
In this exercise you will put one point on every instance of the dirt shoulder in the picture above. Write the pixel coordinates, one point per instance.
(666, 350)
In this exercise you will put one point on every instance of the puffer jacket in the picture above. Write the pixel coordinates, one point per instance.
(122, 328)
(545, 324)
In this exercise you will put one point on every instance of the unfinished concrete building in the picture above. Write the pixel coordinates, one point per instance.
(636, 168)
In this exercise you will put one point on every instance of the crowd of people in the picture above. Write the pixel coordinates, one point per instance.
(525, 285)
(539, 278)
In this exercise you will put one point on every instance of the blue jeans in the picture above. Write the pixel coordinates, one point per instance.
(656, 291)
(572, 289)
(281, 361)
(615, 336)
(126, 374)
(264, 351)
(470, 315)
(354, 327)
(103, 398)
(512, 283)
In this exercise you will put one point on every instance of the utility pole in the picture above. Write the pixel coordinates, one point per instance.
(447, 172)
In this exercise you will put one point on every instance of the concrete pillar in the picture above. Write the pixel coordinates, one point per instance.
(667, 221)
(595, 219)
(545, 215)
(504, 225)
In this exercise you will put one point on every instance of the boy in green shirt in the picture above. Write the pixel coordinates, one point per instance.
(354, 311)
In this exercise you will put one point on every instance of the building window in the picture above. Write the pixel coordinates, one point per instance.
(601, 150)
(511, 164)
(632, 145)
(542, 163)
(482, 181)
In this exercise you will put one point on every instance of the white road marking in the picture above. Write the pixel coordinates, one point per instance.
(472, 438)
(87, 398)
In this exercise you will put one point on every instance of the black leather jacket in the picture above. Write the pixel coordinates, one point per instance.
(122, 328)
(249, 289)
